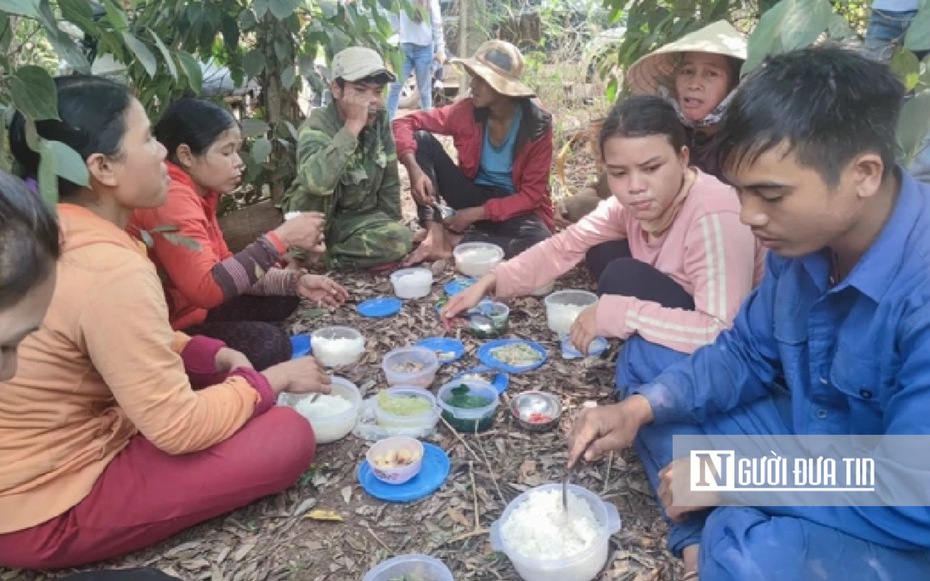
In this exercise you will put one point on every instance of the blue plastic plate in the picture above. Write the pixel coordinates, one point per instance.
(458, 284)
(451, 349)
(498, 379)
(300, 346)
(486, 358)
(597, 346)
(435, 470)
(380, 307)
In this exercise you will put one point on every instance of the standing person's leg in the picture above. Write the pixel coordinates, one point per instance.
(250, 324)
(423, 60)
(145, 495)
(886, 30)
(395, 88)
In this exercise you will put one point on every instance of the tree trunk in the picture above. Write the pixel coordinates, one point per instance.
(472, 32)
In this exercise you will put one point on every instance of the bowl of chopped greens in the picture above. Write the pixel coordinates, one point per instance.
(410, 568)
(406, 407)
(468, 405)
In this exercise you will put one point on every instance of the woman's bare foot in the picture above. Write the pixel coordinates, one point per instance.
(690, 556)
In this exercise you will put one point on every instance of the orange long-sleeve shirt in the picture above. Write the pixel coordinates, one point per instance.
(104, 366)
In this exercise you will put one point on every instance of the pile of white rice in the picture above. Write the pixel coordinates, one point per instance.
(562, 317)
(325, 406)
(539, 528)
(336, 352)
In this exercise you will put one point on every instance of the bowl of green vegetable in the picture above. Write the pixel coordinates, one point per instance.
(468, 405)
(406, 407)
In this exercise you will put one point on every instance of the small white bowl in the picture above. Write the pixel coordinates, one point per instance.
(337, 346)
(388, 450)
(476, 259)
(412, 283)
(426, 359)
(329, 428)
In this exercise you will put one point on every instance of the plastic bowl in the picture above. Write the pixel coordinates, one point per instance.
(399, 473)
(468, 420)
(417, 566)
(424, 421)
(499, 313)
(412, 283)
(330, 428)
(422, 362)
(536, 411)
(477, 258)
(563, 307)
(582, 566)
(348, 350)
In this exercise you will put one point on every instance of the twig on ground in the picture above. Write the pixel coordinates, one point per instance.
(487, 462)
(610, 461)
(474, 492)
(377, 538)
(459, 438)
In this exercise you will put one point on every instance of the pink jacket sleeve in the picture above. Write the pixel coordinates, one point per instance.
(720, 257)
(555, 256)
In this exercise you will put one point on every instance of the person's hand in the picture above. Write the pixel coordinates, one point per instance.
(322, 289)
(301, 375)
(229, 359)
(440, 57)
(584, 329)
(421, 188)
(674, 478)
(462, 219)
(304, 231)
(599, 430)
(468, 298)
(355, 108)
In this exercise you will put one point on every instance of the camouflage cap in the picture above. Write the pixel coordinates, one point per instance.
(357, 62)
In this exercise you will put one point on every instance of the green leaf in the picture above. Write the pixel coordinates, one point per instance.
(142, 52)
(918, 33)
(787, 26)
(288, 76)
(116, 15)
(261, 8)
(67, 50)
(254, 63)
(78, 12)
(914, 125)
(230, 30)
(281, 9)
(29, 8)
(253, 128)
(906, 66)
(48, 174)
(34, 93)
(261, 149)
(192, 71)
(184, 241)
(166, 54)
(68, 163)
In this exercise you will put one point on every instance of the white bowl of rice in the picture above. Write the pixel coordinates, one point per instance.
(476, 259)
(337, 346)
(332, 415)
(548, 543)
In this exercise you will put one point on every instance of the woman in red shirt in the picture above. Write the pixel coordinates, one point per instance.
(238, 298)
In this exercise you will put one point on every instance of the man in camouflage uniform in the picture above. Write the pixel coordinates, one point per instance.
(347, 167)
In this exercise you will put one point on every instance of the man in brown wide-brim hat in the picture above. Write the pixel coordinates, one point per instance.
(499, 191)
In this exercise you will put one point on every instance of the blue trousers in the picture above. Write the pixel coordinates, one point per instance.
(418, 59)
(745, 543)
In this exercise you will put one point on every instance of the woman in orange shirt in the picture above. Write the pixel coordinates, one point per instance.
(105, 445)
(239, 298)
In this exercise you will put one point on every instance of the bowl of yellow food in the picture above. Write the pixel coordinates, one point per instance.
(395, 460)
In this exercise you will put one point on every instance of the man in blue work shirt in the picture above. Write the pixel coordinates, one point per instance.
(836, 339)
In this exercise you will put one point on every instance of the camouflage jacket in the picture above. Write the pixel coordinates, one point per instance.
(341, 174)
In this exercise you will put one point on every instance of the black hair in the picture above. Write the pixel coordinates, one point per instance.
(93, 120)
(640, 116)
(828, 104)
(28, 240)
(194, 122)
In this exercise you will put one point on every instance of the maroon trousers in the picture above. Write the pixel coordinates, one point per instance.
(145, 496)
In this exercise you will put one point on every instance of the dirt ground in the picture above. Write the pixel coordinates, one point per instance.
(274, 540)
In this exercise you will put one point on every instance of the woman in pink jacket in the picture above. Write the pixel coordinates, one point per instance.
(687, 264)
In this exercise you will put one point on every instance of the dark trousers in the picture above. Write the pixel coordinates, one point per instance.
(458, 192)
(618, 273)
(250, 324)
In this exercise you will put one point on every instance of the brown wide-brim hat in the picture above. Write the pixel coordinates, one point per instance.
(658, 67)
(499, 64)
